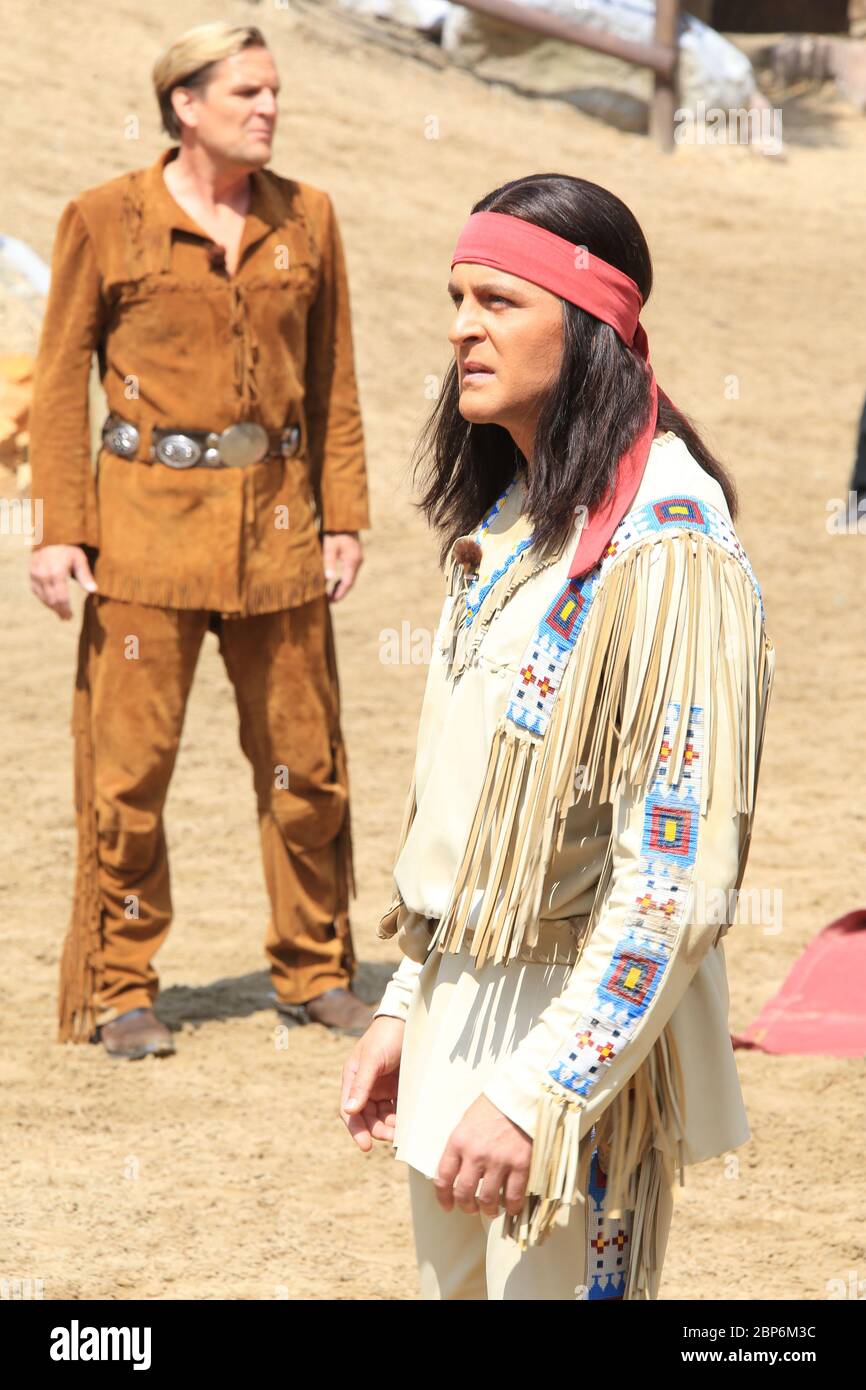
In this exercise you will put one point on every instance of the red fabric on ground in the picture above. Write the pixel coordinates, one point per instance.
(821, 1007)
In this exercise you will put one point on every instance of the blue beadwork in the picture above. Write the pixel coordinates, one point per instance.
(472, 608)
(474, 596)
(609, 1241)
(656, 918)
(545, 658)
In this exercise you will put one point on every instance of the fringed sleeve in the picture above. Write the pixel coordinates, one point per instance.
(692, 696)
(336, 437)
(72, 326)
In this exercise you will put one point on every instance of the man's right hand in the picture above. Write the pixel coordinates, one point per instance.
(368, 1097)
(50, 569)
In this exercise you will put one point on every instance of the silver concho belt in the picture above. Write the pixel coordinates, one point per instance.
(235, 447)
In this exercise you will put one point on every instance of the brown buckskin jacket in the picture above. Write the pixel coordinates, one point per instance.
(182, 344)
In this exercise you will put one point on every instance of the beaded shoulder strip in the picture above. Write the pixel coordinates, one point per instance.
(544, 660)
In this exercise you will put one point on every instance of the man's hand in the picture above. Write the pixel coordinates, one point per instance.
(50, 569)
(342, 558)
(489, 1148)
(368, 1096)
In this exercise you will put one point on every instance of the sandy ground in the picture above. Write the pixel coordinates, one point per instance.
(224, 1171)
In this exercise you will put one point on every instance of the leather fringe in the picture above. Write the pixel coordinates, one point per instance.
(82, 948)
(116, 583)
(346, 888)
(345, 848)
(606, 728)
(641, 1132)
(459, 651)
(640, 1140)
(648, 1241)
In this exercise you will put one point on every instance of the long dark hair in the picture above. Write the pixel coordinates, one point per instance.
(598, 405)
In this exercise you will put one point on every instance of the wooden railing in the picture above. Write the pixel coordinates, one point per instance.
(661, 56)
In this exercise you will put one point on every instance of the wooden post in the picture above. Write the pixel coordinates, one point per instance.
(664, 102)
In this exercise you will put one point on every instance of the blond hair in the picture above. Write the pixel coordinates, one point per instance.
(190, 60)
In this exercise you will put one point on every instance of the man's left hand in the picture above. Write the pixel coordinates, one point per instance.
(342, 558)
(489, 1148)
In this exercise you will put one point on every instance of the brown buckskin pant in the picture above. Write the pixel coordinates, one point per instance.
(135, 670)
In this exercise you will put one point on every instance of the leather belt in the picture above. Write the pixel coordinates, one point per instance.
(235, 447)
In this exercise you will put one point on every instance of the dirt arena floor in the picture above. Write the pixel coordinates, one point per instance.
(224, 1172)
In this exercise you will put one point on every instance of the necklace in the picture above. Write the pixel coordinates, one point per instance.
(475, 596)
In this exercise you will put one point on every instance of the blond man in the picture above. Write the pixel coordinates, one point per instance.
(228, 495)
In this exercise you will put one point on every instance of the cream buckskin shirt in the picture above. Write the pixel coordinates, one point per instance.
(495, 1029)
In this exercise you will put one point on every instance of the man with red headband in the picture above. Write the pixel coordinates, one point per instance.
(580, 811)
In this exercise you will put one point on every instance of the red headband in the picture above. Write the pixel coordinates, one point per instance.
(522, 248)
